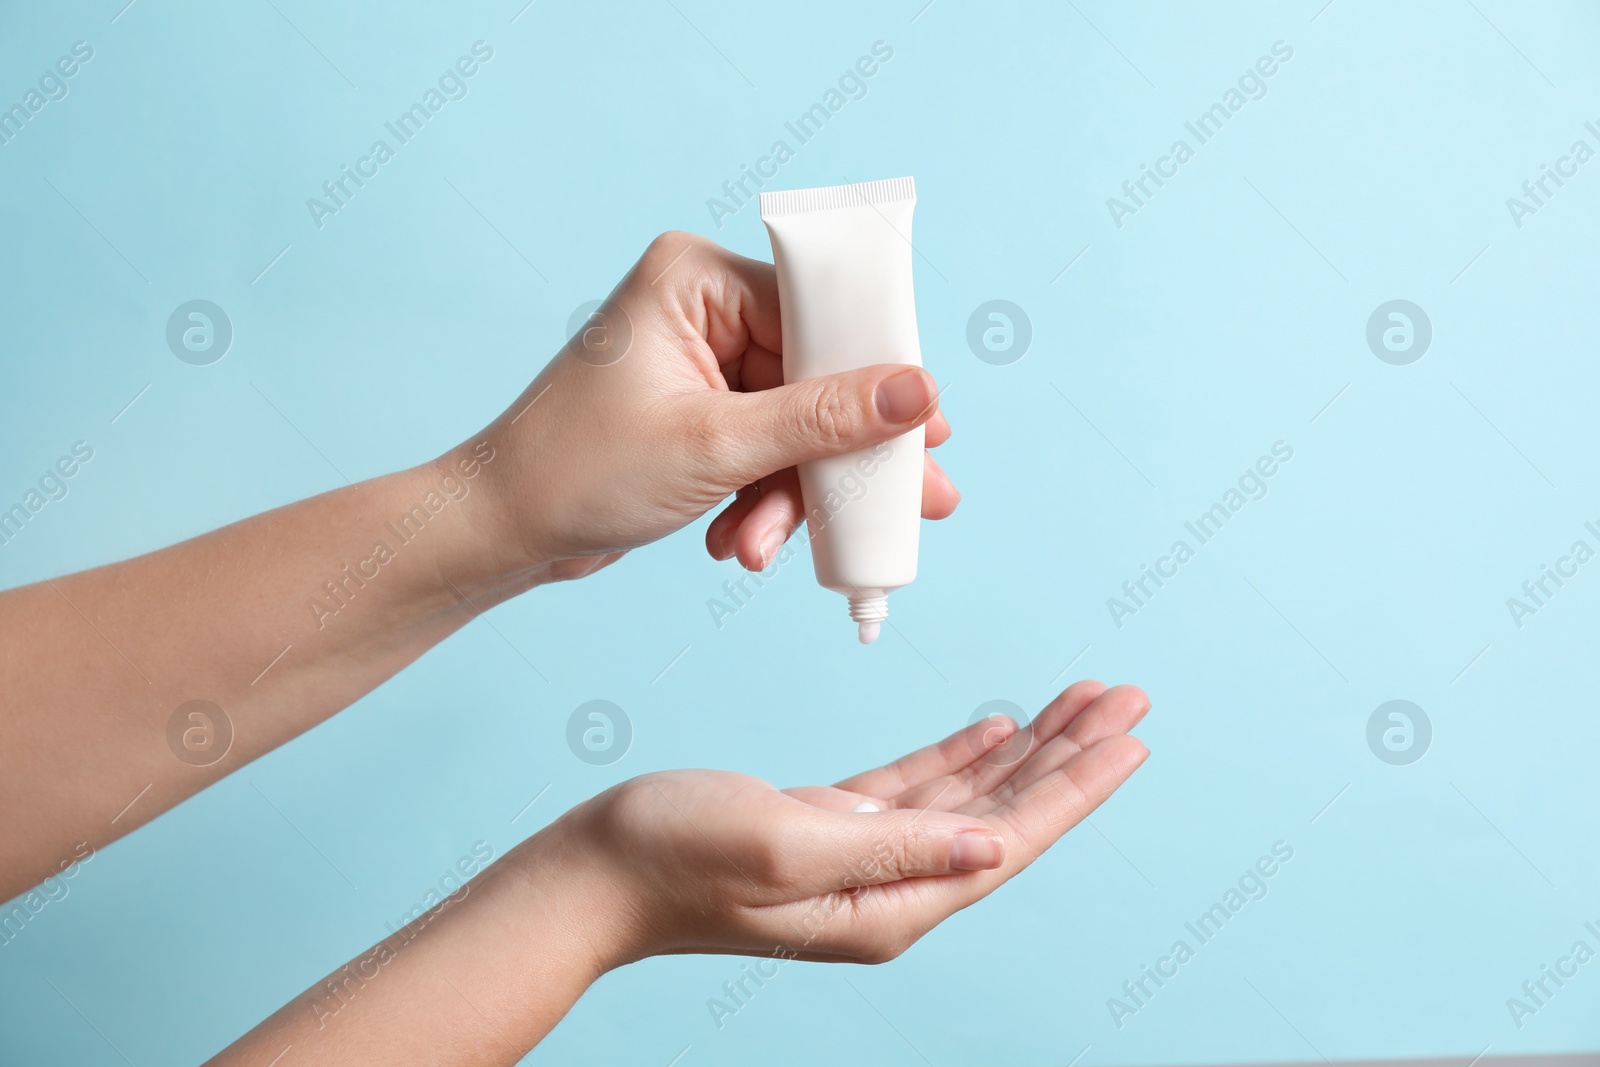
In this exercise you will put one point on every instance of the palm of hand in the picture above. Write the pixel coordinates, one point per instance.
(731, 864)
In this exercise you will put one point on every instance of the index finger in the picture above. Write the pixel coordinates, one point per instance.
(925, 764)
(1041, 814)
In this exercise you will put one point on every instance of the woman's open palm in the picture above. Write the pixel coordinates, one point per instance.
(727, 863)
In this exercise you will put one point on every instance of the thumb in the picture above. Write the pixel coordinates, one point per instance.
(824, 416)
(848, 849)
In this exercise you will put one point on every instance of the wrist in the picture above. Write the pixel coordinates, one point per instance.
(501, 545)
(575, 886)
(484, 554)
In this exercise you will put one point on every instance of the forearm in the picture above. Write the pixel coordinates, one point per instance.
(279, 620)
(479, 980)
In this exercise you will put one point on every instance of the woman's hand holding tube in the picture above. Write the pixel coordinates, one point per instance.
(668, 402)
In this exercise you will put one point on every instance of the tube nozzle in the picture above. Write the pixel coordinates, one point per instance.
(869, 609)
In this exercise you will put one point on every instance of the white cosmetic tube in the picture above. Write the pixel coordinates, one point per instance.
(843, 257)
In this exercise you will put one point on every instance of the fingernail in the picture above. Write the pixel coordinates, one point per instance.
(771, 541)
(903, 396)
(975, 850)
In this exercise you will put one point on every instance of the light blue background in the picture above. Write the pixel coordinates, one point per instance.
(1219, 319)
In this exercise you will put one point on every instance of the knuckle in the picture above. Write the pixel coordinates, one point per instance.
(634, 798)
(675, 240)
(669, 246)
(899, 858)
(890, 858)
(622, 809)
(877, 955)
(769, 865)
(887, 947)
(830, 416)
